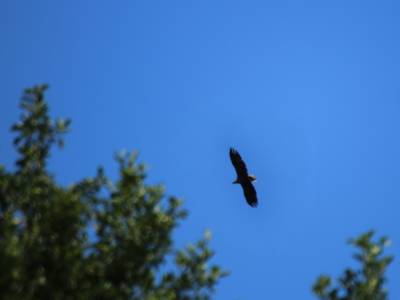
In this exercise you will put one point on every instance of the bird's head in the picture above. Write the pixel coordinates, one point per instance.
(252, 178)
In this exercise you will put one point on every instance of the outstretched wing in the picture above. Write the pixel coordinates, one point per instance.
(250, 193)
(238, 163)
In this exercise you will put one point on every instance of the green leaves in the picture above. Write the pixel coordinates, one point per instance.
(96, 239)
(366, 283)
(36, 132)
(193, 279)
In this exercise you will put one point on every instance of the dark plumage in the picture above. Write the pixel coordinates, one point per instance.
(243, 178)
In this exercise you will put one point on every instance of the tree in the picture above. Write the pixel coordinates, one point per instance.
(366, 283)
(96, 239)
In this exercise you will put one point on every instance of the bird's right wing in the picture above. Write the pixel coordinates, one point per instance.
(238, 163)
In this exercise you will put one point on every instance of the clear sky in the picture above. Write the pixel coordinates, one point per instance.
(307, 91)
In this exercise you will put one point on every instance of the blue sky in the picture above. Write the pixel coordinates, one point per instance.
(307, 91)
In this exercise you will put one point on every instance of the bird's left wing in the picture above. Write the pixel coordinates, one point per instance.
(250, 193)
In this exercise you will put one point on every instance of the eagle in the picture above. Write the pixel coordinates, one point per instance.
(243, 178)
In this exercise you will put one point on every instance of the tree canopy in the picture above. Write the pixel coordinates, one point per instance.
(95, 239)
(366, 283)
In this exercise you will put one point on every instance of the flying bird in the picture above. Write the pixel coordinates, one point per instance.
(243, 178)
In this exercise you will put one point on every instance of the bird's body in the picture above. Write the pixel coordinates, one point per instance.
(243, 178)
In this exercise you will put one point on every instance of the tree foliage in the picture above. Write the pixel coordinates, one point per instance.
(96, 239)
(366, 283)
